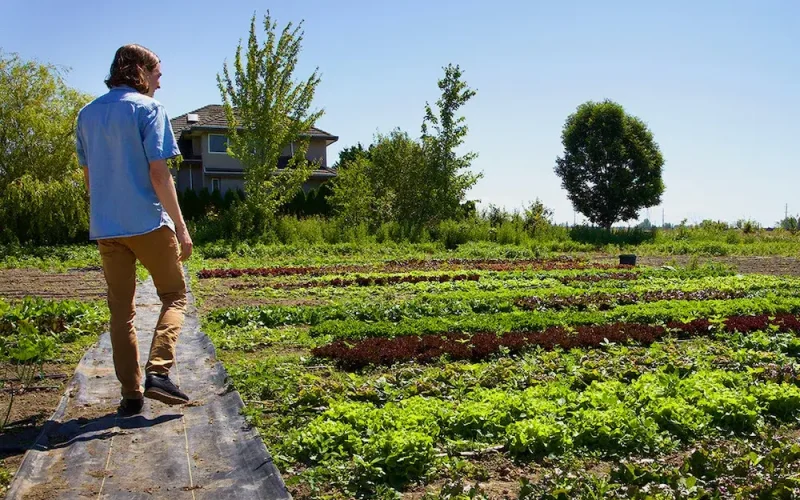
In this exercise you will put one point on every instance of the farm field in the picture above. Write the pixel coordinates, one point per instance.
(531, 377)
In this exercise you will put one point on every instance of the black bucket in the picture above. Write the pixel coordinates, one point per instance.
(627, 259)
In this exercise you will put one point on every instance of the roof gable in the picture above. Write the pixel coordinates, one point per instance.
(212, 116)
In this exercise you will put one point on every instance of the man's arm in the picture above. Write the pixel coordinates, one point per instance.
(165, 190)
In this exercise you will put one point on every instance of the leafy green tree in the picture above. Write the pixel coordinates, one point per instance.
(42, 194)
(537, 217)
(37, 120)
(355, 197)
(412, 182)
(267, 111)
(611, 166)
(446, 177)
(790, 224)
(348, 155)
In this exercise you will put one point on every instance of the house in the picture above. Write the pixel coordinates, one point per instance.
(202, 139)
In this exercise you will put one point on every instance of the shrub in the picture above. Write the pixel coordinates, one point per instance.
(45, 213)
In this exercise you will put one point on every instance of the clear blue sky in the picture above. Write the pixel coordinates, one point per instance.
(718, 82)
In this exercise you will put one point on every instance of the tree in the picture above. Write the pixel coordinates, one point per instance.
(42, 194)
(368, 189)
(354, 199)
(267, 111)
(348, 155)
(447, 176)
(37, 121)
(411, 182)
(538, 217)
(611, 166)
(790, 224)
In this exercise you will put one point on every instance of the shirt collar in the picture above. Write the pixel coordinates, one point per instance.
(126, 88)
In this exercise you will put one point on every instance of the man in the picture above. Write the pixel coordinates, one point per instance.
(123, 141)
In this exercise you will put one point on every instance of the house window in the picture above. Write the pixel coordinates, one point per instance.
(217, 143)
(215, 185)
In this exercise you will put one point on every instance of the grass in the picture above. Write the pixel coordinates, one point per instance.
(705, 241)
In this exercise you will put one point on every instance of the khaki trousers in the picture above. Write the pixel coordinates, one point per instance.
(159, 253)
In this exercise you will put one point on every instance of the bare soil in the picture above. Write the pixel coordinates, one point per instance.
(85, 284)
(29, 412)
(780, 266)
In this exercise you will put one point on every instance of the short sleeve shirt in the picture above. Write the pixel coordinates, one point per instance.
(118, 135)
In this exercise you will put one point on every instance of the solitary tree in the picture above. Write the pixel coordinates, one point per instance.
(268, 112)
(611, 166)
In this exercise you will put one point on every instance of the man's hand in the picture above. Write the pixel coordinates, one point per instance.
(185, 241)
(165, 190)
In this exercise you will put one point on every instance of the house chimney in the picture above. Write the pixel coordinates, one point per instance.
(192, 118)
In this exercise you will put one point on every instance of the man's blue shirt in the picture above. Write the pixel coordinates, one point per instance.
(118, 135)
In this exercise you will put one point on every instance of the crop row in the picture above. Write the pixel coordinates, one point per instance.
(412, 265)
(65, 319)
(654, 413)
(478, 346)
(532, 321)
(363, 281)
(595, 278)
(606, 301)
(455, 304)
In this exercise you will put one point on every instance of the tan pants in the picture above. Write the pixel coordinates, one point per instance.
(159, 253)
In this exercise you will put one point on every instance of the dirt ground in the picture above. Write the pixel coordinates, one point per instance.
(85, 284)
(29, 412)
(782, 266)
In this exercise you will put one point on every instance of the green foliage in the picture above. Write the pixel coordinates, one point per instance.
(400, 456)
(37, 117)
(267, 111)
(540, 436)
(720, 396)
(45, 212)
(780, 400)
(611, 166)
(323, 441)
(42, 194)
(356, 197)
(748, 226)
(620, 237)
(349, 155)
(791, 224)
(5, 478)
(538, 218)
(23, 353)
(63, 320)
(415, 183)
(446, 177)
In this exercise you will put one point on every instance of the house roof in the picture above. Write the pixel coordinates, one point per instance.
(212, 116)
